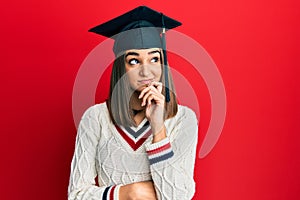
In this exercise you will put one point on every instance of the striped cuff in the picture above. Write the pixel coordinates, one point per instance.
(111, 193)
(159, 151)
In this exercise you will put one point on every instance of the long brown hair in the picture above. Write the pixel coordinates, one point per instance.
(120, 94)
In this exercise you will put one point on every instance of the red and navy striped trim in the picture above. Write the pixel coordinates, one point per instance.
(161, 158)
(133, 145)
(161, 153)
(159, 149)
(108, 193)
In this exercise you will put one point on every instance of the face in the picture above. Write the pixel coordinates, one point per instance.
(143, 66)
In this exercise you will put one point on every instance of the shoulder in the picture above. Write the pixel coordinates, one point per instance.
(183, 125)
(96, 111)
(185, 118)
(185, 112)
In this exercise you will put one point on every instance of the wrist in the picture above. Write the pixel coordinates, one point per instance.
(159, 135)
(157, 128)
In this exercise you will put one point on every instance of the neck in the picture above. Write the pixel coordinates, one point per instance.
(135, 102)
(138, 110)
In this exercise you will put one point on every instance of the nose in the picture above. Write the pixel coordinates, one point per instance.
(144, 70)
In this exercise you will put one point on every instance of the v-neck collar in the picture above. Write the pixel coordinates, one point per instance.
(135, 136)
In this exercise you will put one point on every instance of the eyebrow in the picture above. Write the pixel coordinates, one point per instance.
(132, 53)
(153, 52)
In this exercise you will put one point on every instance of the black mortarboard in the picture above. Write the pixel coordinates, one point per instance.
(140, 28)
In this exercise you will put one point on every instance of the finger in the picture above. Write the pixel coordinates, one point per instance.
(147, 89)
(144, 91)
(157, 98)
(152, 97)
(158, 86)
(146, 96)
(149, 99)
(152, 92)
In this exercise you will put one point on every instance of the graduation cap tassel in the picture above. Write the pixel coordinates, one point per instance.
(165, 59)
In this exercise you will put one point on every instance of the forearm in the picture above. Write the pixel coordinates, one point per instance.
(173, 178)
(172, 160)
(138, 191)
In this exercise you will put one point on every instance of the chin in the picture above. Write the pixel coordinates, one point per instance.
(140, 88)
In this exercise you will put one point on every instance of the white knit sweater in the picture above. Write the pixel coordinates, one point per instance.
(119, 156)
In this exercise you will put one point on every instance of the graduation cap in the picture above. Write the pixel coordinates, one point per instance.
(140, 28)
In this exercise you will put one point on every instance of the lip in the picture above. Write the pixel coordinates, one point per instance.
(146, 81)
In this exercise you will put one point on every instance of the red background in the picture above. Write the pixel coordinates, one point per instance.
(255, 45)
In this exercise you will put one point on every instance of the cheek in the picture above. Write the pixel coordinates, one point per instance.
(157, 72)
(127, 68)
(132, 76)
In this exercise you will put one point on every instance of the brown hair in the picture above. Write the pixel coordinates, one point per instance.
(120, 94)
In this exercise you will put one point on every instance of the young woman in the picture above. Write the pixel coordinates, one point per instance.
(138, 144)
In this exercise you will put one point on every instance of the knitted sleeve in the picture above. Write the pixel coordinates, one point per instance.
(172, 160)
(83, 171)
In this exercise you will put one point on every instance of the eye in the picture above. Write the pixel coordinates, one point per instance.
(133, 61)
(154, 59)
